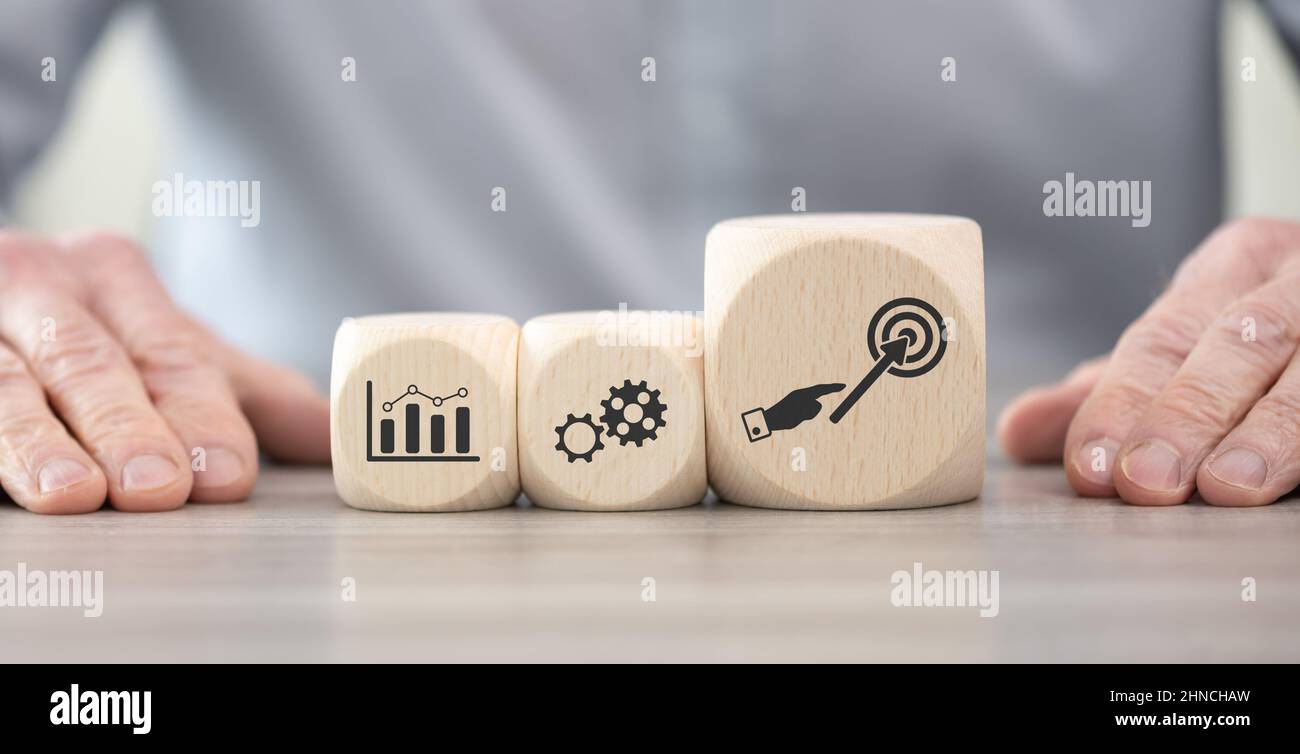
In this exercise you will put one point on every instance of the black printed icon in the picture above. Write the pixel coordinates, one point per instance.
(414, 448)
(633, 413)
(905, 338)
(579, 438)
(907, 344)
(797, 407)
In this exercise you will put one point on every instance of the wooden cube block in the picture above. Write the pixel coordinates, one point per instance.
(422, 412)
(844, 360)
(611, 411)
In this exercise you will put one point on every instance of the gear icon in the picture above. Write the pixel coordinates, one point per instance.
(633, 413)
(563, 430)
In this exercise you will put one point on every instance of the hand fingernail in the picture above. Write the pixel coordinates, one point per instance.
(148, 472)
(1240, 468)
(1153, 465)
(221, 467)
(1095, 461)
(60, 474)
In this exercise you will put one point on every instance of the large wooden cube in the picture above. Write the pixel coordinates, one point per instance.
(845, 360)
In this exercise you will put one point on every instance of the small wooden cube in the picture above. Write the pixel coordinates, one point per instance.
(422, 412)
(611, 411)
(845, 360)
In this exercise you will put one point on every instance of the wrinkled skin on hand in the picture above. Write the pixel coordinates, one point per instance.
(108, 392)
(1200, 395)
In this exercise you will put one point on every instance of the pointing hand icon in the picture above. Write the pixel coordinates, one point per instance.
(799, 406)
(794, 409)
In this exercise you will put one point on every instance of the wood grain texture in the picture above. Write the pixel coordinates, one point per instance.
(788, 303)
(377, 360)
(569, 364)
(1081, 581)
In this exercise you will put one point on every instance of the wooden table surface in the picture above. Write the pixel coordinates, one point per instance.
(1080, 580)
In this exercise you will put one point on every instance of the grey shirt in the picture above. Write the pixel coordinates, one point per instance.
(376, 195)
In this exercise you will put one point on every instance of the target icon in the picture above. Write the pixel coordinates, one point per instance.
(906, 339)
(916, 321)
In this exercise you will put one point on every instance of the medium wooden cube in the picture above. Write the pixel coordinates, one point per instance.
(611, 411)
(422, 412)
(845, 360)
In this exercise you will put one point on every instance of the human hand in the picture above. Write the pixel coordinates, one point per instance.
(1201, 393)
(108, 391)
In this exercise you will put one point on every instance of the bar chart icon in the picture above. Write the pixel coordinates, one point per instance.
(417, 441)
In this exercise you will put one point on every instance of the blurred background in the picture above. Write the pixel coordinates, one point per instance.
(118, 132)
(121, 130)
